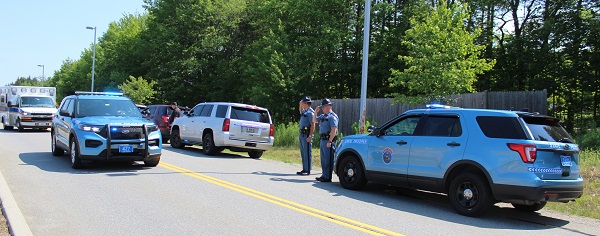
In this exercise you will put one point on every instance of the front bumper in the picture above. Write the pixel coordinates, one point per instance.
(43, 124)
(93, 146)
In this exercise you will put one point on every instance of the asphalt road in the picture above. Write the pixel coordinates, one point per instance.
(193, 194)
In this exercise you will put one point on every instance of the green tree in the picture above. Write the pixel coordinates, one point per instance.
(27, 81)
(443, 58)
(138, 90)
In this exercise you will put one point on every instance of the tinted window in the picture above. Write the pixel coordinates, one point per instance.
(221, 111)
(197, 110)
(207, 110)
(442, 126)
(404, 126)
(165, 110)
(241, 113)
(107, 107)
(547, 129)
(152, 110)
(70, 107)
(64, 104)
(501, 127)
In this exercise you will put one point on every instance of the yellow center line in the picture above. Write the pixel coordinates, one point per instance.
(366, 228)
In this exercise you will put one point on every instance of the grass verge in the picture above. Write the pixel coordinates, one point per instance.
(588, 205)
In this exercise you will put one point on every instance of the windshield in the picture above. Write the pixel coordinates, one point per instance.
(107, 107)
(547, 129)
(37, 102)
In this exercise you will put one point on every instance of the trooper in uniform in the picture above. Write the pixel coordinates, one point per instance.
(328, 123)
(307, 128)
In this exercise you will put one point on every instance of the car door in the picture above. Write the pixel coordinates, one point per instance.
(439, 143)
(388, 152)
(203, 119)
(63, 123)
(195, 124)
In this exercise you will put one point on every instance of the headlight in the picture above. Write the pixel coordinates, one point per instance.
(90, 128)
(151, 128)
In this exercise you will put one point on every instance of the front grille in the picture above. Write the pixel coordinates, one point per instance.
(41, 114)
(123, 132)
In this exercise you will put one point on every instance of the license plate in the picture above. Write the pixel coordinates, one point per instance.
(565, 160)
(250, 130)
(125, 148)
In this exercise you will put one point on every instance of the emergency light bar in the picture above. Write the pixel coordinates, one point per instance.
(98, 93)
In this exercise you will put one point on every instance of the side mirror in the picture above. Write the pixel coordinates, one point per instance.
(376, 132)
(370, 128)
(9, 104)
(64, 113)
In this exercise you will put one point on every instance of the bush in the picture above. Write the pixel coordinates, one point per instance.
(589, 140)
(287, 135)
(368, 122)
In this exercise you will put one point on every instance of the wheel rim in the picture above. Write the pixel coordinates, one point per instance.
(350, 172)
(467, 194)
(176, 139)
(207, 144)
(73, 154)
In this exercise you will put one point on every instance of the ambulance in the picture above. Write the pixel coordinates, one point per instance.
(27, 107)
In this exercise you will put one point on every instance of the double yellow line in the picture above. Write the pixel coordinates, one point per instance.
(366, 228)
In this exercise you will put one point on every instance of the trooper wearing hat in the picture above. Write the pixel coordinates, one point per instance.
(307, 129)
(175, 114)
(328, 123)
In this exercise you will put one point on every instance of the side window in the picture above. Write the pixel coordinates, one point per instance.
(71, 107)
(2, 98)
(197, 110)
(221, 111)
(151, 110)
(444, 126)
(207, 110)
(404, 126)
(501, 127)
(65, 105)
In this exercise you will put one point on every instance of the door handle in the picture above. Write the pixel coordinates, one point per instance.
(453, 144)
(401, 142)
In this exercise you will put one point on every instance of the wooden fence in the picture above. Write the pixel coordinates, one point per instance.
(381, 110)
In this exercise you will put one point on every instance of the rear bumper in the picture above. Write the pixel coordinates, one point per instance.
(523, 194)
(227, 141)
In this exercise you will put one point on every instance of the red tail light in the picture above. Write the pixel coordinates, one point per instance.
(528, 152)
(272, 130)
(226, 125)
(165, 119)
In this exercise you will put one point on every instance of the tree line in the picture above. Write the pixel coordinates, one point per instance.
(272, 52)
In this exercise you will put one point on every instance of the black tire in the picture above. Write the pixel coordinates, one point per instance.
(19, 126)
(208, 145)
(176, 139)
(529, 208)
(74, 154)
(470, 194)
(152, 162)
(56, 151)
(351, 173)
(7, 127)
(255, 154)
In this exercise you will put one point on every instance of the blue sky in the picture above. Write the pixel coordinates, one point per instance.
(48, 32)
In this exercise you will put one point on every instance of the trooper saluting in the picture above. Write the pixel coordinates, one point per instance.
(328, 124)
(307, 129)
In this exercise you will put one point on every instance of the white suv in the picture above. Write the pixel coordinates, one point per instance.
(219, 125)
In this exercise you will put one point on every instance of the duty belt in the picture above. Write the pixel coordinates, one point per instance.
(305, 131)
(326, 136)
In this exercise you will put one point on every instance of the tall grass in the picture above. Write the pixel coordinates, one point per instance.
(589, 204)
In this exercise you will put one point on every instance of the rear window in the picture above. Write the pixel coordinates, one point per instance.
(501, 127)
(547, 129)
(241, 113)
(221, 111)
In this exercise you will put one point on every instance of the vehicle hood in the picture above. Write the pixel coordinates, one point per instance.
(112, 120)
(46, 110)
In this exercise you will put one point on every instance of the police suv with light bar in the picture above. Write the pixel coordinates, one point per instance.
(104, 127)
(476, 156)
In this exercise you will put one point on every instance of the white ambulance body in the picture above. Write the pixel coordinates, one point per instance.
(27, 107)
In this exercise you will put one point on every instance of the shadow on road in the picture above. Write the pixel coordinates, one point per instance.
(196, 151)
(47, 162)
(437, 206)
